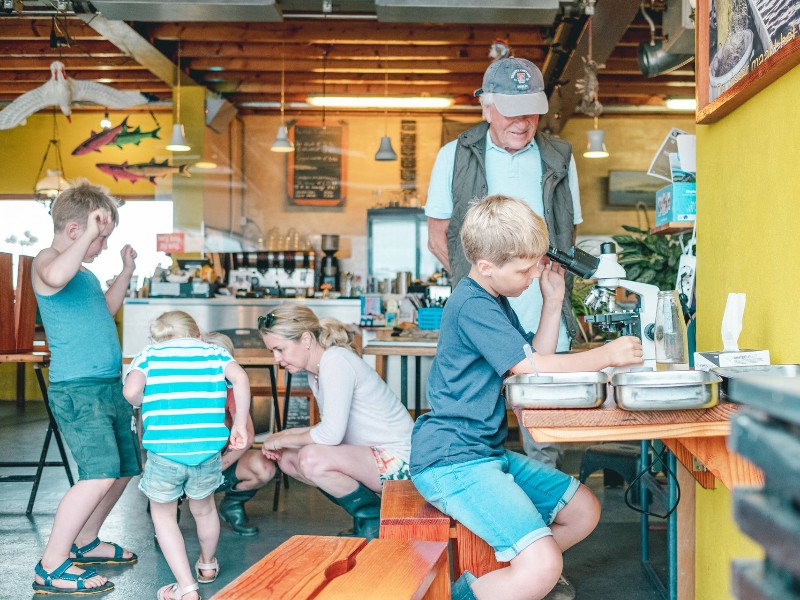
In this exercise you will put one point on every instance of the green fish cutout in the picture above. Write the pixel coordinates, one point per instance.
(133, 136)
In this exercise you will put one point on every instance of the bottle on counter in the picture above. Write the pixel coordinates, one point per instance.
(671, 340)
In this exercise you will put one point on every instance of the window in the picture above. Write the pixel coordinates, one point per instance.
(26, 228)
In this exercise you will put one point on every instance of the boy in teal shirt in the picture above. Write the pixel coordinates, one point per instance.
(85, 392)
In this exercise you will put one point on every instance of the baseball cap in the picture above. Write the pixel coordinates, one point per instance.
(517, 85)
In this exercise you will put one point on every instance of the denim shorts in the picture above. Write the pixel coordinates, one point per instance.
(507, 500)
(165, 480)
(98, 426)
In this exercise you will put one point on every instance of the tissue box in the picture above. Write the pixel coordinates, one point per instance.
(676, 202)
(704, 361)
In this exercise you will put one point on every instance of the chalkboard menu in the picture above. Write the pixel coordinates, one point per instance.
(317, 165)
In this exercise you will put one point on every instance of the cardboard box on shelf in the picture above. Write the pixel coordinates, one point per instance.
(676, 202)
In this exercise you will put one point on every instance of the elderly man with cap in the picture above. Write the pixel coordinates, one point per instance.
(506, 154)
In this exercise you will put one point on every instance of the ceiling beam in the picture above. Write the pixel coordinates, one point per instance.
(376, 66)
(346, 32)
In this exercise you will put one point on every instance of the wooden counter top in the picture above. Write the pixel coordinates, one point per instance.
(699, 434)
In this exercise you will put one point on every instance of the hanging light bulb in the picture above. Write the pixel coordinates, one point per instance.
(596, 148)
(385, 151)
(105, 122)
(177, 142)
(282, 142)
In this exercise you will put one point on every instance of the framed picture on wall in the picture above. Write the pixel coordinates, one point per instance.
(742, 47)
(317, 167)
(628, 188)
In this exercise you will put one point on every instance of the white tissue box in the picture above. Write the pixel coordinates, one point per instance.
(704, 361)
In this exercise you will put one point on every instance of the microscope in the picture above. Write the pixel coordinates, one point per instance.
(610, 275)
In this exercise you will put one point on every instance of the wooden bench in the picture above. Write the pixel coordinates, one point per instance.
(406, 515)
(341, 568)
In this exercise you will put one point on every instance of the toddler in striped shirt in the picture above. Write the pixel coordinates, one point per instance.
(180, 383)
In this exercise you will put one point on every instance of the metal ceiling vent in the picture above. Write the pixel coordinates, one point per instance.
(523, 12)
(190, 10)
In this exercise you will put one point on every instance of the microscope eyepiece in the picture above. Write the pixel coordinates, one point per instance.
(575, 261)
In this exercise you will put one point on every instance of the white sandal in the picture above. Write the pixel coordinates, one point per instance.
(178, 591)
(212, 566)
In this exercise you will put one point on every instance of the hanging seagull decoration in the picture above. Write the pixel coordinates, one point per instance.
(62, 91)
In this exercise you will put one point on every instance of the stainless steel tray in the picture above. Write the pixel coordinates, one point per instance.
(666, 390)
(779, 371)
(556, 390)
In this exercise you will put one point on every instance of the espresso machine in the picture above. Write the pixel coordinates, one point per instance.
(329, 265)
(610, 276)
(285, 274)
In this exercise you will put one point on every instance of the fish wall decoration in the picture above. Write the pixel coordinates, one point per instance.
(149, 170)
(133, 136)
(102, 138)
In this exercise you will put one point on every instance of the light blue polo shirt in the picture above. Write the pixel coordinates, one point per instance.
(510, 175)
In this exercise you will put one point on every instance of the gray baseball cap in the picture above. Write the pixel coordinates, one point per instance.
(517, 85)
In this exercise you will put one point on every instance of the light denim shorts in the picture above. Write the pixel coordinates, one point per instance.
(507, 500)
(165, 480)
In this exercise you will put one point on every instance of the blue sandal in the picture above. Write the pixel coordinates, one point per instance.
(117, 559)
(61, 573)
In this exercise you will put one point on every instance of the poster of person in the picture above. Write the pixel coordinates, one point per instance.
(743, 33)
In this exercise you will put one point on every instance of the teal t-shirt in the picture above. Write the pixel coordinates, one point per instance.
(480, 339)
(80, 330)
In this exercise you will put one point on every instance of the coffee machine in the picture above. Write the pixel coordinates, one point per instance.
(329, 265)
(288, 274)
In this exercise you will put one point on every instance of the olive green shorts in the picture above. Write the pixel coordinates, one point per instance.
(98, 426)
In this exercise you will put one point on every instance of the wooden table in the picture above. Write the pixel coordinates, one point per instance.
(39, 360)
(386, 345)
(696, 438)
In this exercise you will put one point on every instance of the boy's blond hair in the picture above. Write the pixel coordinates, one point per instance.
(76, 203)
(173, 325)
(500, 229)
(219, 339)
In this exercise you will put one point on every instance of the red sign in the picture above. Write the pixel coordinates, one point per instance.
(170, 242)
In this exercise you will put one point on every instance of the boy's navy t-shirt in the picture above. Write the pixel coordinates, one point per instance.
(480, 339)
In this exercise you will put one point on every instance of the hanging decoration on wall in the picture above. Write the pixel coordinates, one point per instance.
(149, 170)
(115, 136)
(97, 140)
(63, 91)
(499, 49)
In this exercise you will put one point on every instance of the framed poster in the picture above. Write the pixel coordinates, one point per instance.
(317, 167)
(742, 47)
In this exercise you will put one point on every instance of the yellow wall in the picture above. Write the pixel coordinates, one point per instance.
(747, 216)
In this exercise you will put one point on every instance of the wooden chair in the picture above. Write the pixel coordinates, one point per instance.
(406, 515)
(337, 568)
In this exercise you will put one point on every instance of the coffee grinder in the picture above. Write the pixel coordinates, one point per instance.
(329, 266)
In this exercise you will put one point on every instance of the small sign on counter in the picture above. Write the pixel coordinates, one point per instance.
(170, 242)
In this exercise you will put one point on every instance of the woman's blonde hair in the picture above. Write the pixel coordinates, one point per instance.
(173, 325)
(291, 321)
(219, 339)
(76, 203)
(500, 229)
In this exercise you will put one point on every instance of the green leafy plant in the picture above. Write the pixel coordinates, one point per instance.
(649, 258)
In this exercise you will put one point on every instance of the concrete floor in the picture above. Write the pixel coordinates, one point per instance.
(604, 567)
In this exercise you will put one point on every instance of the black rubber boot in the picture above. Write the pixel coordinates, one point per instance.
(231, 509)
(364, 506)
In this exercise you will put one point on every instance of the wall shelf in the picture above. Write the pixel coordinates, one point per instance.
(673, 227)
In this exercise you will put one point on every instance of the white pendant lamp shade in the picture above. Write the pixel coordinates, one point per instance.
(596, 147)
(282, 142)
(385, 150)
(50, 186)
(177, 143)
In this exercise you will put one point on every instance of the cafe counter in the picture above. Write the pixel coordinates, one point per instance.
(220, 313)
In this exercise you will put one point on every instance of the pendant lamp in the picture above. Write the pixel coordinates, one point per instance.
(596, 148)
(282, 142)
(177, 142)
(385, 151)
(53, 183)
